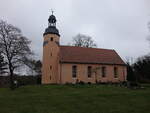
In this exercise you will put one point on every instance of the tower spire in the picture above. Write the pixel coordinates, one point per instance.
(52, 20)
(52, 25)
(52, 11)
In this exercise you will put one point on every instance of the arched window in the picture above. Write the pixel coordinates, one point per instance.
(89, 71)
(103, 71)
(50, 67)
(115, 72)
(74, 71)
(51, 38)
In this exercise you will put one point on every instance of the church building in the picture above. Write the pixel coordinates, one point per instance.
(70, 64)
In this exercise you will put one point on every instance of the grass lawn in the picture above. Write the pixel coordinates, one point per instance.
(74, 99)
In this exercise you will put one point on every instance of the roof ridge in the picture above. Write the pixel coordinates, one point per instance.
(86, 47)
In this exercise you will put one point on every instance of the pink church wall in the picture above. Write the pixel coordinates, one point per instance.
(66, 73)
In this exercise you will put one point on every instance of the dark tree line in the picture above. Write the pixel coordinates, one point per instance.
(140, 70)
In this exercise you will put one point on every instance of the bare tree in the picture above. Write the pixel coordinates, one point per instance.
(37, 67)
(14, 47)
(83, 41)
(34, 65)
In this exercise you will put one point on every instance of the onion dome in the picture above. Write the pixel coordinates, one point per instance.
(51, 29)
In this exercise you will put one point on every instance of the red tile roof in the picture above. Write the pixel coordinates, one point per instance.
(72, 54)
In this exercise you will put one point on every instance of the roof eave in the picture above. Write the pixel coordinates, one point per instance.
(68, 62)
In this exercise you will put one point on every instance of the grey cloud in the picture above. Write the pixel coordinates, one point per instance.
(116, 24)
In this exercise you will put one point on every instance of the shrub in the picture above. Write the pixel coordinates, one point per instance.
(89, 82)
(68, 83)
(81, 82)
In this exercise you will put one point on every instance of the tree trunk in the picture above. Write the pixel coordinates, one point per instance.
(11, 80)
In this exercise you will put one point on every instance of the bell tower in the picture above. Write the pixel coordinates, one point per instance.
(50, 67)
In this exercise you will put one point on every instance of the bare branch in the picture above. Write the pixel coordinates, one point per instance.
(83, 41)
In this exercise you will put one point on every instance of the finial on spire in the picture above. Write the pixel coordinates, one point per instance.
(52, 11)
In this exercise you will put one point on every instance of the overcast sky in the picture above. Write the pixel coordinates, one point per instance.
(113, 24)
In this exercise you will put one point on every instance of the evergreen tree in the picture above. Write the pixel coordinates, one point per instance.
(130, 73)
(142, 68)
